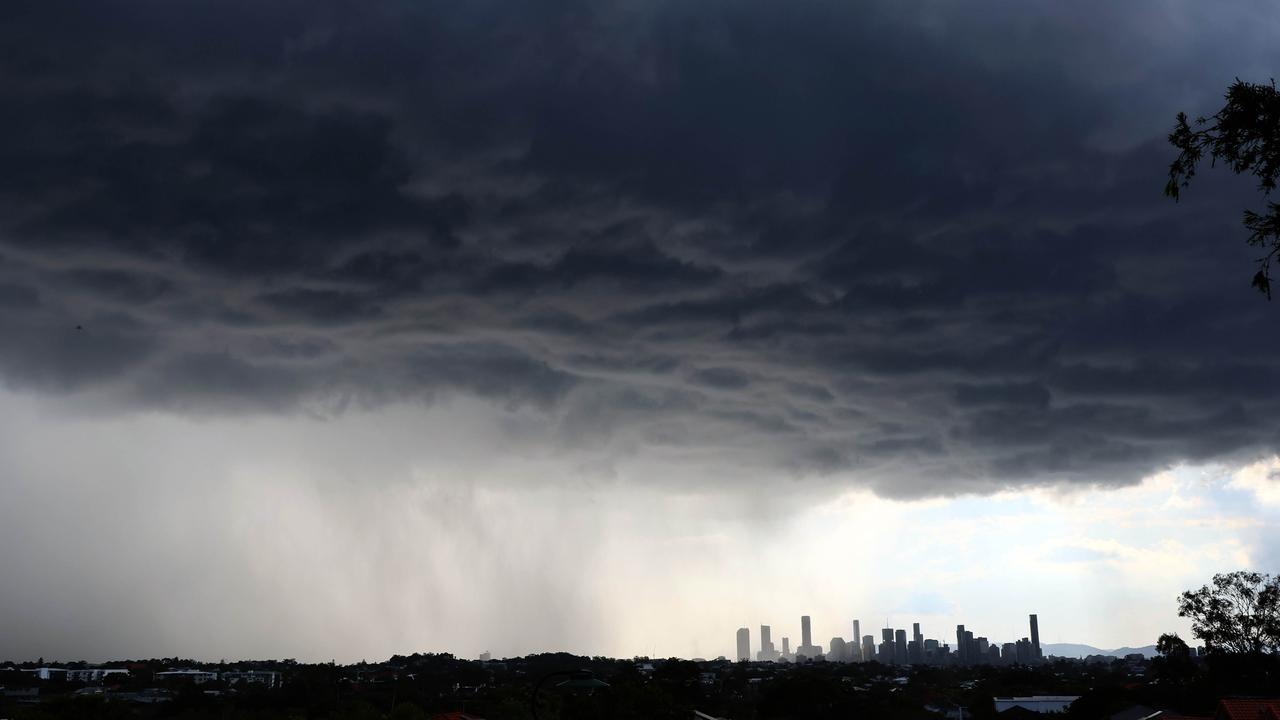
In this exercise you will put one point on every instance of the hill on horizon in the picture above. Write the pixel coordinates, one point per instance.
(1078, 650)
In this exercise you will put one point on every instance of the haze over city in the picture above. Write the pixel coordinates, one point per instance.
(335, 330)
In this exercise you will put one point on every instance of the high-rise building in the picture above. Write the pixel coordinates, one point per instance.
(915, 633)
(857, 643)
(786, 648)
(807, 649)
(744, 644)
(887, 646)
(836, 651)
(960, 654)
(868, 648)
(900, 647)
(1008, 654)
(1035, 639)
(1023, 651)
(767, 652)
(993, 654)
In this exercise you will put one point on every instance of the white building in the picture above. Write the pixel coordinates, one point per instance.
(270, 678)
(194, 676)
(94, 674)
(1037, 703)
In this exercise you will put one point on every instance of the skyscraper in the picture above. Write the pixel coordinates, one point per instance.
(807, 649)
(786, 648)
(868, 648)
(887, 646)
(960, 644)
(836, 651)
(1035, 639)
(744, 644)
(857, 655)
(900, 647)
(767, 652)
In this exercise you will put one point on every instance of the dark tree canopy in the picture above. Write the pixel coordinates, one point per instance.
(1245, 136)
(1173, 647)
(1237, 613)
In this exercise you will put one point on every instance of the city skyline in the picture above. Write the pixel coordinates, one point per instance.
(895, 649)
(333, 330)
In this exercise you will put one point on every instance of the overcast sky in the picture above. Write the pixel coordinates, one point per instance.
(338, 329)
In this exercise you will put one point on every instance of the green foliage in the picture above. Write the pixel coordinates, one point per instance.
(1237, 613)
(1245, 136)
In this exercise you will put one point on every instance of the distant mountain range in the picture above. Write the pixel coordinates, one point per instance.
(1074, 650)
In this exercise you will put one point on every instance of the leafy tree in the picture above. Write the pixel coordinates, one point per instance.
(1173, 647)
(1238, 613)
(1245, 136)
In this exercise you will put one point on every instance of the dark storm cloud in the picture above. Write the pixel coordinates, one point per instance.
(915, 245)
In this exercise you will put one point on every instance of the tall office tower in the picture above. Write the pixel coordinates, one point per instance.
(807, 649)
(744, 644)
(970, 647)
(981, 649)
(886, 641)
(1008, 654)
(767, 652)
(786, 648)
(836, 651)
(916, 655)
(993, 654)
(960, 644)
(1035, 638)
(868, 648)
(900, 647)
(857, 643)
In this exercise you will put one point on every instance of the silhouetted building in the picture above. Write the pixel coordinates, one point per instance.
(767, 652)
(786, 648)
(836, 651)
(900, 647)
(1035, 637)
(1009, 653)
(744, 644)
(960, 644)
(1024, 651)
(857, 653)
(807, 649)
(868, 648)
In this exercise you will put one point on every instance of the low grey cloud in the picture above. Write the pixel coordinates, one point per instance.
(907, 245)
